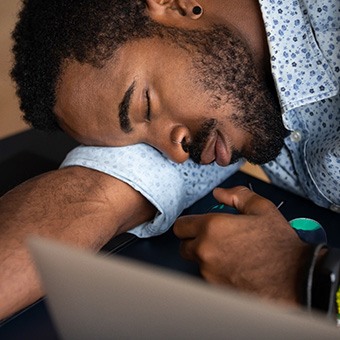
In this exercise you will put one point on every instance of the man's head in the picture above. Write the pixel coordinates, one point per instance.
(109, 75)
(50, 32)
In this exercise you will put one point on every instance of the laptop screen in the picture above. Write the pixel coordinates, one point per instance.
(95, 297)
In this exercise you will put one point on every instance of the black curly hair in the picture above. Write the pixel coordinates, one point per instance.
(50, 32)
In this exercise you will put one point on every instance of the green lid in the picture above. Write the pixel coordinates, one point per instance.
(303, 223)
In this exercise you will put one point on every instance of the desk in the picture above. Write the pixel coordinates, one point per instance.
(32, 153)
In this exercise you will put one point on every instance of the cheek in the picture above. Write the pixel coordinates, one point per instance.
(184, 99)
(120, 139)
(104, 136)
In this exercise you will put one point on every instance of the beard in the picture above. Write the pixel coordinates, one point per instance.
(224, 66)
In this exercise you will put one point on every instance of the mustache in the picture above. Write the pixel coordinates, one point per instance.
(196, 146)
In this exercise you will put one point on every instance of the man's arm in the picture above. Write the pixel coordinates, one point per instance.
(79, 206)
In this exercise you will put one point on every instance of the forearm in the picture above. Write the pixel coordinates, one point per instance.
(76, 205)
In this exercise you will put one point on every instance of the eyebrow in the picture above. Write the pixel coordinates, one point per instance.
(123, 109)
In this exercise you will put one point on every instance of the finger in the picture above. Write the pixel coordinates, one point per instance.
(187, 226)
(187, 250)
(244, 200)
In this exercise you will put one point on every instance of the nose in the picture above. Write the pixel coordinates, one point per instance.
(171, 142)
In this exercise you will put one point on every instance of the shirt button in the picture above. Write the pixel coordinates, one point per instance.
(296, 136)
(335, 208)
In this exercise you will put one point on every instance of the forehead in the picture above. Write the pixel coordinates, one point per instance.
(132, 59)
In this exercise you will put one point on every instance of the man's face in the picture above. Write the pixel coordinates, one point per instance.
(184, 102)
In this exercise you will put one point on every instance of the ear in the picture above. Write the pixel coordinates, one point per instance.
(172, 12)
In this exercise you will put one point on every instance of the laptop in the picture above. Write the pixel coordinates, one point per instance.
(90, 296)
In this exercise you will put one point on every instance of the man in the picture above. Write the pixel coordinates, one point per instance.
(190, 79)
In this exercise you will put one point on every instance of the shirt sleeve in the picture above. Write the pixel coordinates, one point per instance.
(169, 186)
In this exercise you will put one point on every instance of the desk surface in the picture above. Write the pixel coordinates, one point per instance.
(23, 151)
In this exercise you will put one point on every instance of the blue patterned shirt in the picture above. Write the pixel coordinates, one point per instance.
(304, 42)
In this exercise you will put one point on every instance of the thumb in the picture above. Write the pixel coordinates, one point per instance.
(244, 200)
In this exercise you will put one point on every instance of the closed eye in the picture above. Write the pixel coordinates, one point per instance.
(148, 107)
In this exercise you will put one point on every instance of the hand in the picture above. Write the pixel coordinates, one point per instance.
(256, 251)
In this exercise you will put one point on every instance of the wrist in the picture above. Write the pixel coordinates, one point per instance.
(326, 282)
(320, 285)
(316, 253)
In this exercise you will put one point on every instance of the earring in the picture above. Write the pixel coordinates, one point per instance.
(197, 10)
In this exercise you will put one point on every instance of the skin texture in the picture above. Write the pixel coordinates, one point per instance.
(171, 110)
(259, 235)
(88, 210)
(85, 212)
(168, 109)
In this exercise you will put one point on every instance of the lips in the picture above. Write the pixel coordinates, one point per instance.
(222, 152)
(216, 150)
